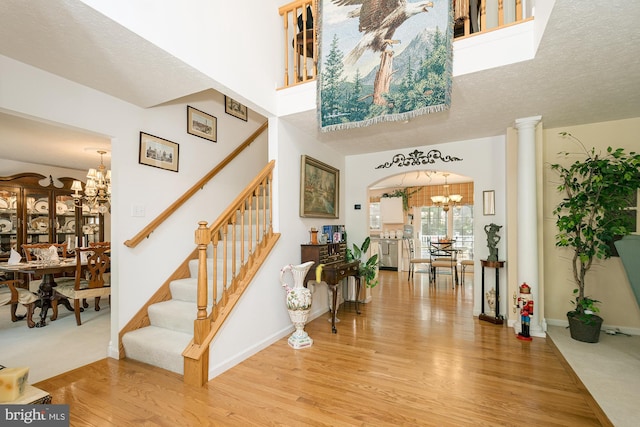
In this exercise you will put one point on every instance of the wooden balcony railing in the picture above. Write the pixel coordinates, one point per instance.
(300, 46)
(472, 17)
(480, 16)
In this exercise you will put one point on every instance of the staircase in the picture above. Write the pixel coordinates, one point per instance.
(228, 254)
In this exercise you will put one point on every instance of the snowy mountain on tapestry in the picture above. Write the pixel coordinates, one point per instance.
(383, 60)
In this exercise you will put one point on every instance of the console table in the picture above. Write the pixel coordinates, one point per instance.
(497, 265)
(332, 255)
(332, 275)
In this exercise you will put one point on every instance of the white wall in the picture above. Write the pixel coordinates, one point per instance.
(207, 34)
(482, 159)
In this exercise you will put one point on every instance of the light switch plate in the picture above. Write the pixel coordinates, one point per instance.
(137, 210)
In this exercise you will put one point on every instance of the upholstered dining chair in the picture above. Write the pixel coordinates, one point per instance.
(464, 264)
(413, 260)
(444, 255)
(89, 280)
(11, 293)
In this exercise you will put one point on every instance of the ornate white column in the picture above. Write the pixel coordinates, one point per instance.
(527, 217)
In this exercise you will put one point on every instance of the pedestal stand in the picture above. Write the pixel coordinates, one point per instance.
(497, 318)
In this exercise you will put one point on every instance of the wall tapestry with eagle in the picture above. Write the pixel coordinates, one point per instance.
(383, 60)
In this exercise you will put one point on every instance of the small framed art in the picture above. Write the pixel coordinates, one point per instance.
(202, 124)
(319, 184)
(233, 107)
(489, 202)
(158, 152)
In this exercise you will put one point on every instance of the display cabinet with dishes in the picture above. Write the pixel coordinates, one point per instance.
(34, 210)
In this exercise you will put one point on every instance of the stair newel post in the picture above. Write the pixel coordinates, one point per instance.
(201, 324)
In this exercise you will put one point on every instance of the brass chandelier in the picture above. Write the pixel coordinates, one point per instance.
(97, 191)
(447, 199)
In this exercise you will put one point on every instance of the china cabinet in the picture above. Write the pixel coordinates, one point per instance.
(34, 210)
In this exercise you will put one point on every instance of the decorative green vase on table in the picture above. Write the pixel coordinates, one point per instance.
(598, 189)
(298, 302)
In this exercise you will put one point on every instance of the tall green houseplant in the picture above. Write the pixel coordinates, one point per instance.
(369, 266)
(597, 190)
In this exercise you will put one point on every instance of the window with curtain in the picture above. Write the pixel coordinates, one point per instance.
(433, 224)
(456, 223)
(463, 230)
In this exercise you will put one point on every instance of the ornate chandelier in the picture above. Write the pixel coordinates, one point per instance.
(447, 199)
(97, 191)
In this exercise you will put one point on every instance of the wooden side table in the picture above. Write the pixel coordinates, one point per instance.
(497, 265)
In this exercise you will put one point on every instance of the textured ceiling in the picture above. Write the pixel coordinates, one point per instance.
(587, 69)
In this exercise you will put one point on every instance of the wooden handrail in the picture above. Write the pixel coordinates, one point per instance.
(153, 225)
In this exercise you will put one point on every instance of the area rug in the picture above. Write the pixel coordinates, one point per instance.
(383, 61)
(59, 347)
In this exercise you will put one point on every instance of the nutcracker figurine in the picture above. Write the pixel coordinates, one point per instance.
(525, 304)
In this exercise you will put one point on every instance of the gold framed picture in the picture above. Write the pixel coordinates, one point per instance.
(319, 185)
(233, 107)
(202, 124)
(158, 152)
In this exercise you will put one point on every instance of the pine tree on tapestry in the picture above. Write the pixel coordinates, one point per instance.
(431, 72)
(332, 85)
(356, 107)
(404, 97)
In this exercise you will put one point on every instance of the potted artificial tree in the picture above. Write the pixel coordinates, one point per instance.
(597, 190)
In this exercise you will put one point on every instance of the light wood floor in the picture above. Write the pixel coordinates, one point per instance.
(415, 356)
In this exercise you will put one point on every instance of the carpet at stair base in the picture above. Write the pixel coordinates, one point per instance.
(156, 346)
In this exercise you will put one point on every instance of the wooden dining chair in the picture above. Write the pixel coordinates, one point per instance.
(89, 280)
(12, 293)
(106, 245)
(29, 249)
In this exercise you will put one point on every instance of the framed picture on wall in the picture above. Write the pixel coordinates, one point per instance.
(233, 107)
(158, 152)
(202, 124)
(319, 184)
(489, 202)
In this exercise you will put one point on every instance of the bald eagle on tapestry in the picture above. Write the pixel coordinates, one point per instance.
(383, 60)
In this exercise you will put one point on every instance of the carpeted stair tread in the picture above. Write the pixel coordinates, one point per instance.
(193, 267)
(157, 346)
(173, 314)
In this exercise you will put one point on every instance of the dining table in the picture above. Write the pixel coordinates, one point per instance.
(47, 270)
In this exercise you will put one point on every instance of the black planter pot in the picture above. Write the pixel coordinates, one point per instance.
(584, 332)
